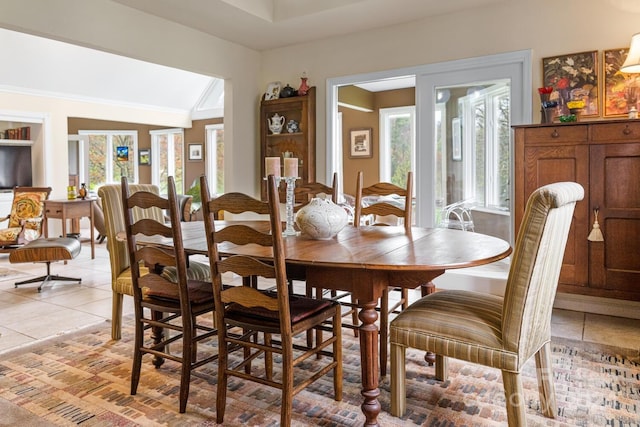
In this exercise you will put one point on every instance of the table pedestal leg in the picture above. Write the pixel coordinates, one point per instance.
(369, 357)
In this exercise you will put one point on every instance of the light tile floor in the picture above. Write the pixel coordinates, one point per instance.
(27, 315)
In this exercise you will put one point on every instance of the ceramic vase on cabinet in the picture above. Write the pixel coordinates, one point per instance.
(321, 219)
(276, 123)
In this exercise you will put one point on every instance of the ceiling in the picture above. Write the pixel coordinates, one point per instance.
(270, 24)
(65, 70)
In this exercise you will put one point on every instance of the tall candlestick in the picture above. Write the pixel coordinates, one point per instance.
(272, 166)
(291, 167)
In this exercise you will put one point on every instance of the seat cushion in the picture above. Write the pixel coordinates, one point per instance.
(300, 307)
(199, 292)
(460, 324)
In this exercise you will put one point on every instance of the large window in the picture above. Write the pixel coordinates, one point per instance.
(215, 157)
(486, 136)
(112, 155)
(397, 144)
(167, 158)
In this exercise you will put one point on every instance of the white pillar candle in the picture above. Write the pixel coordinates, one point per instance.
(291, 166)
(272, 166)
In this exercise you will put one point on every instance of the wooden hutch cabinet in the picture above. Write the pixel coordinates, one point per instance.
(302, 143)
(604, 157)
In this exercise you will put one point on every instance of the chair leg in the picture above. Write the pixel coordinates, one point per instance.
(442, 368)
(116, 316)
(546, 387)
(514, 399)
(221, 396)
(287, 383)
(137, 354)
(187, 358)
(337, 355)
(157, 334)
(398, 380)
(384, 331)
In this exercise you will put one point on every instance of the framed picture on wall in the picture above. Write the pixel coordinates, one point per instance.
(573, 76)
(195, 152)
(621, 90)
(360, 147)
(122, 153)
(144, 157)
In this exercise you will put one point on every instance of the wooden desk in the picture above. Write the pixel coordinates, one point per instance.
(365, 261)
(64, 209)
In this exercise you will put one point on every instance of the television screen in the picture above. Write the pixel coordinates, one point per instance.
(15, 166)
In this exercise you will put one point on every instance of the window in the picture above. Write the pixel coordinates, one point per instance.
(397, 144)
(112, 155)
(215, 157)
(486, 136)
(167, 158)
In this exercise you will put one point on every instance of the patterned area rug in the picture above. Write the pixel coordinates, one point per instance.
(83, 379)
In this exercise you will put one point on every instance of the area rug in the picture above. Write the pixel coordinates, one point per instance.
(83, 379)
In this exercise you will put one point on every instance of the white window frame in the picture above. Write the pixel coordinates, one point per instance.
(386, 114)
(155, 154)
(211, 166)
(467, 104)
(109, 159)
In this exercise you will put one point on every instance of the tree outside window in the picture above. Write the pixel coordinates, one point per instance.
(111, 156)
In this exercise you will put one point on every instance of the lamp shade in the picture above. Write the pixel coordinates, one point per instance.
(632, 63)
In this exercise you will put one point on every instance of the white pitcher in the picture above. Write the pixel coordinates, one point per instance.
(276, 123)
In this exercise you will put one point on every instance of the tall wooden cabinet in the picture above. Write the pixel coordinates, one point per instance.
(301, 143)
(604, 157)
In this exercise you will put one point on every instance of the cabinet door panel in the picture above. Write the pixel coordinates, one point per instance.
(546, 165)
(615, 190)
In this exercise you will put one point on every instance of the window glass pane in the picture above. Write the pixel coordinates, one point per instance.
(123, 165)
(504, 151)
(178, 149)
(219, 161)
(480, 149)
(97, 161)
(400, 146)
(163, 166)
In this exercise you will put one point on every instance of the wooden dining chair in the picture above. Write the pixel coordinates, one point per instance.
(254, 313)
(384, 203)
(121, 283)
(160, 303)
(499, 332)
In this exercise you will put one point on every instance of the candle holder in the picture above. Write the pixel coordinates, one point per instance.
(291, 185)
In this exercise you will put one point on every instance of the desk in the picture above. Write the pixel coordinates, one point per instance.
(69, 209)
(365, 261)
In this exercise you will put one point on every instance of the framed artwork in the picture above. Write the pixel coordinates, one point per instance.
(273, 91)
(144, 157)
(195, 152)
(621, 90)
(122, 153)
(360, 146)
(572, 77)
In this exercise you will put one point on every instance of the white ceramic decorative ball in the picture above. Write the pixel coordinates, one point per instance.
(321, 219)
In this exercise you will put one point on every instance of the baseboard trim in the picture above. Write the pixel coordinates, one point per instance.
(598, 305)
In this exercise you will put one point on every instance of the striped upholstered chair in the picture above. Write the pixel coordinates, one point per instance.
(502, 333)
(121, 282)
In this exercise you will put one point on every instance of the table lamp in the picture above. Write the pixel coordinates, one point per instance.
(632, 63)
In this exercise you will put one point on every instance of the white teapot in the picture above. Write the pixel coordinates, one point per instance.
(276, 123)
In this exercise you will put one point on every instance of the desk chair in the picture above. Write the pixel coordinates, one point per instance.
(264, 313)
(499, 332)
(382, 205)
(161, 303)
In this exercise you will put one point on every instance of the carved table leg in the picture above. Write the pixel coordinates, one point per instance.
(369, 357)
(426, 289)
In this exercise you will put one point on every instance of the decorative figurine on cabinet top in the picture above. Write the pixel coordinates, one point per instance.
(304, 87)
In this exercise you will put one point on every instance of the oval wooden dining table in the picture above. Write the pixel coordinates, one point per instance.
(365, 261)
